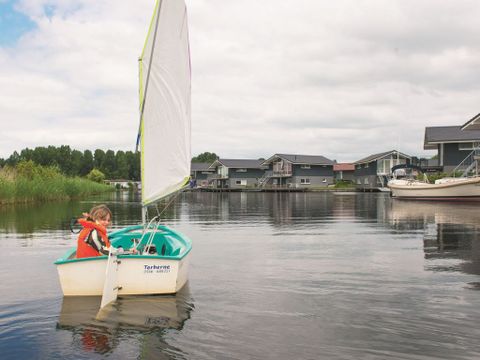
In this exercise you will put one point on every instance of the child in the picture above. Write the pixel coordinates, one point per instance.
(93, 240)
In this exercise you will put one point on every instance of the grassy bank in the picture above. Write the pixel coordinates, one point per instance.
(28, 182)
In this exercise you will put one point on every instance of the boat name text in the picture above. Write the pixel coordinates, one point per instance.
(156, 269)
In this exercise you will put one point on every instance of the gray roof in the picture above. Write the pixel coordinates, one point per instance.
(472, 124)
(200, 166)
(448, 134)
(381, 155)
(239, 163)
(301, 159)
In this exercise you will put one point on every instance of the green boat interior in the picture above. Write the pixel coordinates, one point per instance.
(160, 242)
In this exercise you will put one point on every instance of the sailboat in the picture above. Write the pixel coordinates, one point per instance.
(160, 265)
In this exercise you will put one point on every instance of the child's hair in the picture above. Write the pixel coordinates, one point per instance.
(100, 212)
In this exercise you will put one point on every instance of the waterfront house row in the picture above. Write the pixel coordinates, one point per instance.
(453, 147)
(280, 170)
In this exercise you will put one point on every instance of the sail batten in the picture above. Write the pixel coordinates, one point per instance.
(165, 87)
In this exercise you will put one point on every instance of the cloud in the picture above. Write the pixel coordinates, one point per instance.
(342, 79)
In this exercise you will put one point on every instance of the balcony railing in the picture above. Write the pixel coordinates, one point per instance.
(282, 173)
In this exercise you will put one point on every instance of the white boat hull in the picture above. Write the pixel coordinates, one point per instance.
(159, 267)
(456, 189)
(136, 276)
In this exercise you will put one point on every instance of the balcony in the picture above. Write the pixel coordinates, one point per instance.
(281, 173)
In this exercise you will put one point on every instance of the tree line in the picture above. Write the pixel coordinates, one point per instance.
(114, 165)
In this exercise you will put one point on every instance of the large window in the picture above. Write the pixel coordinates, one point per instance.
(222, 171)
(241, 182)
(384, 166)
(305, 181)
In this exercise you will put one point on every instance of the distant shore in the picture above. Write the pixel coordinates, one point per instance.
(325, 189)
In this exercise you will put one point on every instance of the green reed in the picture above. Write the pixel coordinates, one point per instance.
(28, 182)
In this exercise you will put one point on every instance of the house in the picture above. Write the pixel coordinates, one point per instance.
(472, 124)
(344, 172)
(200, 173)
(452, 144)
(285, 170)
(374, 171)
(236, 173)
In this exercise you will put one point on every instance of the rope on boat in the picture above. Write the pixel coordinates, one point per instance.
(155, 220)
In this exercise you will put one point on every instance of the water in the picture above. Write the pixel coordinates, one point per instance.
(272, 276)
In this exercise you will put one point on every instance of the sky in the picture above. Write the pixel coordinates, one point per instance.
(343, 79)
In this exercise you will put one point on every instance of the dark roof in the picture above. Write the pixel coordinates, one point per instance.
(375, 157)
(200, 166)
(301, 159)
(239, 163)
(448, 134)
(472, 124)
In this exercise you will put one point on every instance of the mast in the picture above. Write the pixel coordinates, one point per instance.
(142, 103)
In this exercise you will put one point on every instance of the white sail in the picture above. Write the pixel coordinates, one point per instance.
(165, 99)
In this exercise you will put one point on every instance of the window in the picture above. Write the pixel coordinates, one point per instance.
(241, 182)
(305, 166)
(305, 181)
(365, 181)
(468, 146)
(241, 170)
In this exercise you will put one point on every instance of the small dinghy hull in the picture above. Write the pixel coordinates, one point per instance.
(164, 270)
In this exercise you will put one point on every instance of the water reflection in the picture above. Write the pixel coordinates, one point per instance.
(451, 231)
(147, 316)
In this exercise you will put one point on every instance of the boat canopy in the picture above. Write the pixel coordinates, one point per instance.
(407, 166)
(165, 115)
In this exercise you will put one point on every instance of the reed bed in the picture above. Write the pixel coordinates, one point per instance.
(28, 182)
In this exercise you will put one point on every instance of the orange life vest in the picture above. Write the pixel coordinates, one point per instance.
(83, 248)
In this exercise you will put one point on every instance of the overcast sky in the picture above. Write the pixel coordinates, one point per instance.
(342, 79)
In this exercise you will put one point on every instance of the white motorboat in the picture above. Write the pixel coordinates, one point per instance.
(460, 188)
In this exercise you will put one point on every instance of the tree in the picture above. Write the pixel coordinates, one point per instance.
(133, 160)
(99, 156)
(96, 175)
(206, 157)
(13, 159)
(122, 165)
(77, 162)
(64, 159)
(109, 165)
(87, 163)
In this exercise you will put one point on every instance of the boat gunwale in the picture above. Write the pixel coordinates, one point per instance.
(182, 239)
(435, 186)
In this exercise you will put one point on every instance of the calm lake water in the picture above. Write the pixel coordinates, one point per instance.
(272, 276)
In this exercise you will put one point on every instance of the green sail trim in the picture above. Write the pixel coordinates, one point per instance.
(141, 90)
